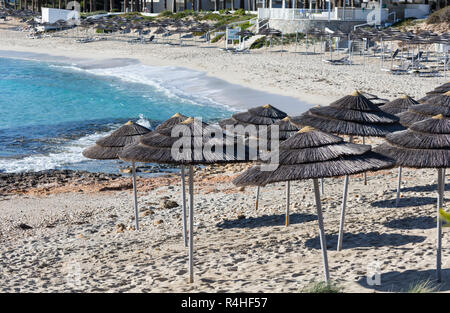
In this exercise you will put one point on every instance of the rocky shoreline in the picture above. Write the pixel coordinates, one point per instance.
(14, 183)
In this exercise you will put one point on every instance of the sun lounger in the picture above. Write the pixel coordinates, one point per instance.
(341, 61)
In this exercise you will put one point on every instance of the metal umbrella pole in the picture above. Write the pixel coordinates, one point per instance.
(183, 187)
(288, 189)
(439, 225)
(191, 224)
(323, 241)
(136, 213)
(399, 186)
(365, 173)
(344, 205)
(257, 197)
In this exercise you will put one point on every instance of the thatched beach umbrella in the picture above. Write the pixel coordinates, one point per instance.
(186, 144)
(436, 91)
(438, 104)
(352, 115)
(176, 119)
(109, 147)
(286, 129)
(398, 105)
(395, 107)
(426, 144)
(313, 154)
(259, 117)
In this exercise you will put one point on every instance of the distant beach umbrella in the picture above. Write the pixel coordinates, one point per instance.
(265, 115)
(158, 147)
(437, 91)
(109, 147)
(176, 119)
(426, 144)
(438, 104)
(398, 105)
(352, 115)
(313, 154)
(259, 116)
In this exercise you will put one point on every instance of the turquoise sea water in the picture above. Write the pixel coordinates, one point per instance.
(50, 112)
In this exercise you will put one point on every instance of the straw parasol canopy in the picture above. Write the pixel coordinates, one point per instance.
(399, 105)
(286, 128)
(162, 147)
(313, 154)
(259, 117)
(157, 146)
(438, 104)
(262, 115)
(352, 115)
(436, 91)
(426, 144)
(172, 121)
(109, 147)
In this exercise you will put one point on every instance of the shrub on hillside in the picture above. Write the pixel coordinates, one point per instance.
(440, 16)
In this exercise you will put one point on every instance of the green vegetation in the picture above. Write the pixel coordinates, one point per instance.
(425, 286)
(277, 40)
(259, 43)
(217, 38)
(405, 23)
(440, 16)
(322, 287)
(86, 14)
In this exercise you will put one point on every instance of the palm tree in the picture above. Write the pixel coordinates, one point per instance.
(111, 4)
(241, 4)
(174, 6)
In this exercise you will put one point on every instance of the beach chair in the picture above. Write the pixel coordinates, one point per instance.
(341, 61)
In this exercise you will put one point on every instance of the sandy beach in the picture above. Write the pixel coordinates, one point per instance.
(74, 231)
(82, 237)
(304, 77)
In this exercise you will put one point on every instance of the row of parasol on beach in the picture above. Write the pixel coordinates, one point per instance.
(416, 133)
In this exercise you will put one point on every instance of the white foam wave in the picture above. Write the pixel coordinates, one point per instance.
(185, 85)
(70, 154)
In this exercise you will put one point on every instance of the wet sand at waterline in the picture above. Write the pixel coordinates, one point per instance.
(304, 77)
(80, 235)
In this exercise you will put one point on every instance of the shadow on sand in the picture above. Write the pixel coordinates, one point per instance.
(404, 202)
(267, 220)
(423, 188)
(365, 240)
(413, 222)
(402, 281)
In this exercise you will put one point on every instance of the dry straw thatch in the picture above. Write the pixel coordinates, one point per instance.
(157, 146)
(438, 104)
(398, 105)
(286, 128)
(174, 120)
(352, 115)
(263, 115)
(426, 144)
(436, 91)
(311, 153)
(109, 147)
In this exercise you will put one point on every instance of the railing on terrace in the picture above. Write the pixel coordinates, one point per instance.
(349, 14)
